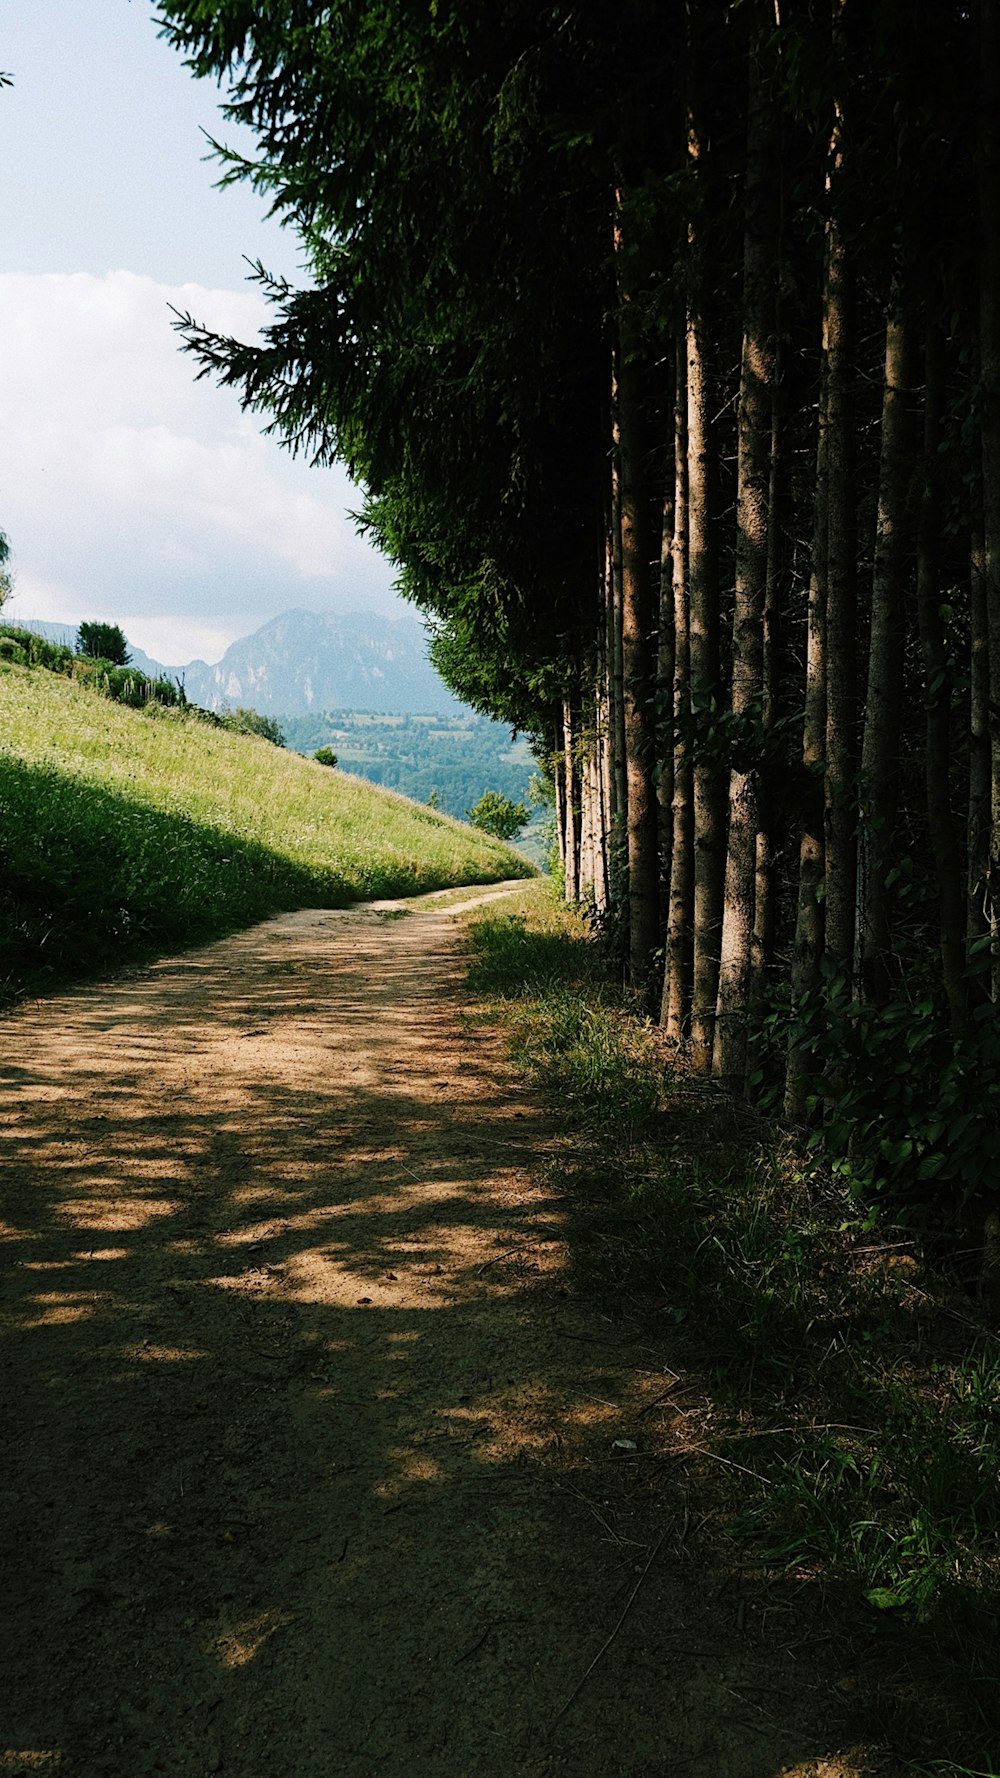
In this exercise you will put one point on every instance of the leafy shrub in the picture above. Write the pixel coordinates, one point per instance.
(499, 815)
(124, 685)
(904, 1111)
(37, 652)
(325, 756)
(12, 651)
(250, 722)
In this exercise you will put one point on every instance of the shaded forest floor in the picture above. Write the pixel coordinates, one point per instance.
(319, 1457)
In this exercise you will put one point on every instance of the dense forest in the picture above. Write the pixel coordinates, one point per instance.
(665, 341)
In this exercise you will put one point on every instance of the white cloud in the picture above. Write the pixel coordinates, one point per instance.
(39, 598)
(127, 486)
(176, 641)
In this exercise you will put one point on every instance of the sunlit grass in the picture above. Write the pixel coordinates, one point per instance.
(123, 831)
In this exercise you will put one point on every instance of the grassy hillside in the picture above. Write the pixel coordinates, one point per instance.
(124, 832)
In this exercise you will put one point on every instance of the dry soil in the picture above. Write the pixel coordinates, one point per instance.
(314, 1464)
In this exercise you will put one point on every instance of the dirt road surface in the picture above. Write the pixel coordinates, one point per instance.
(311, 1460)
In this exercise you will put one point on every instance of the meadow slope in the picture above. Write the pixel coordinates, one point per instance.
(123, 832)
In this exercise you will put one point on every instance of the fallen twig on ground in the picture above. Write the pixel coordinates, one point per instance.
(606, 1644)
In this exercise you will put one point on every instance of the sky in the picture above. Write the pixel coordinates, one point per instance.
(130, 493)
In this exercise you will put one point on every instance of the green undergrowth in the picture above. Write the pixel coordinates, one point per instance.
(126, 832)
(848, 1432)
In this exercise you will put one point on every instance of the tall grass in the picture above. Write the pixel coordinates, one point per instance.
(123, 832)
(849, 1428)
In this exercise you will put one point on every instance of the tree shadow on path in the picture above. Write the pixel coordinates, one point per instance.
(315, 1464)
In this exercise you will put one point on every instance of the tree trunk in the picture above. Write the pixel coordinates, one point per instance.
(607, 693)
(572, 861)
(808, 947)
(676, 980)
(617, 668)
(937, 698)
(765, 912)
(597, 816)
(559, 777)
(977, 920)
(665, 696)
(841, 609)
(883, 707)
(599, 711)
(752, 526)
(585, 883)
(709, 825)
(989, 401)
(637, 684)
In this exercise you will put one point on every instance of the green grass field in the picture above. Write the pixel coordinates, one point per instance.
(126, 832)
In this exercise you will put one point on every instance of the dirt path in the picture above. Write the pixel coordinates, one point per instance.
(307, 1474)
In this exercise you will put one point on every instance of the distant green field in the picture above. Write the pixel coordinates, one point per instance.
(125, 832)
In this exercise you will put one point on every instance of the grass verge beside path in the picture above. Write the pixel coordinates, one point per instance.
(845, 1423)
(127, 832)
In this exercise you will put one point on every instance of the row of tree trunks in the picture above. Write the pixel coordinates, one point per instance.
(640, 758)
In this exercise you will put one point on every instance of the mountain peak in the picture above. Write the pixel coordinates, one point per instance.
(301, 661)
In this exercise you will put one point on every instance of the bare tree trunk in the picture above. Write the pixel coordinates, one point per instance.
(607, 658)
(977, 921)
(572, 861)
(937, 698)
(827, 855)
(765, 913)
(597, 817)
(585, 883)
(841, 610)
(638, 680)
(599, 714)
(989, 404)
(883, 709)
(676, 981)
(752, 527)
(808, 947)
(709, 823)
(617, 668)
(665, 696)
(559, 778)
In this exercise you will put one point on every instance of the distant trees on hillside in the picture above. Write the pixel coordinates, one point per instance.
(103, 642)
(250, 722)
(499, 815)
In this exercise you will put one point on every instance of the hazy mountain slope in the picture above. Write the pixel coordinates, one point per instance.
(305, 661)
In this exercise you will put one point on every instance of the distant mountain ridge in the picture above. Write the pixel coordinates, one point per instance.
(305, 661)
